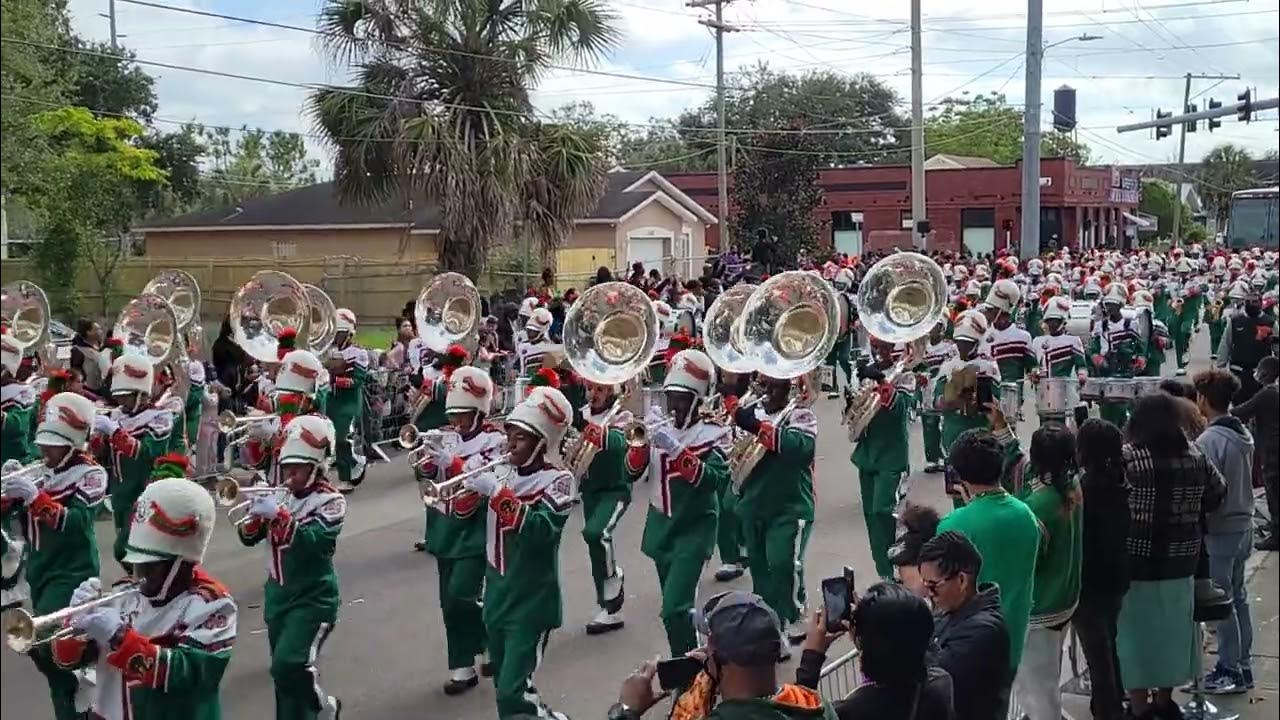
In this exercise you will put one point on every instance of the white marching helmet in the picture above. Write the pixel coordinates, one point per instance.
(1240, 291)
(982, 272)
(666, 318)
(308, 439)
(470, 389)
(1116, 293)
(845, 280)
(545, 412)
(299, 372)
(527, 306)
(539, 321)
(67, 420)
(971, 325)
(1143, 299)
(973, 289)
(1059, 308)
(960, 271)
(131, 373)
(10, 355)
(691, 371)
(1183, 265)
(172, 520)
(345, 320)
(1004, 296)
(1035, 267)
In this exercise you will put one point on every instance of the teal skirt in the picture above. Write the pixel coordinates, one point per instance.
(1155, 636)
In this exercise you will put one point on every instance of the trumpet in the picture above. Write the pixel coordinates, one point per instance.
(230, 494)
(637, 432)
(411, 437)
(236, 427)
(23, 631)
(26, 471)
(451, 488)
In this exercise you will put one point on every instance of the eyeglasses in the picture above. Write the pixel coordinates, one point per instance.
(933, 585)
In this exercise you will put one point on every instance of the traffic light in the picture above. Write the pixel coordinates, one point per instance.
(1245, 113)
(1190, 125)
(1163, 131)
(1214, 122)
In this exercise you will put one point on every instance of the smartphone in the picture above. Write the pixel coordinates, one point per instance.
(678, 673)
(837, 597)
(986, 393)
(950, 481)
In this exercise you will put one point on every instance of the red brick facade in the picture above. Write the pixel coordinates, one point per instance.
(1081, 205)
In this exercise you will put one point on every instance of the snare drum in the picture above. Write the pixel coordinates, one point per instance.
(1146, 386)
(1092, 388)
(1010, 402)
(1119, 390)
(1057, 395)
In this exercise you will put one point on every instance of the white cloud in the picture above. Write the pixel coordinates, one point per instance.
(969, 46)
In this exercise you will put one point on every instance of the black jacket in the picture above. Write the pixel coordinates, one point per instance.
(880, 702)
(1264, 410)
(1105, 567)
(973, 647)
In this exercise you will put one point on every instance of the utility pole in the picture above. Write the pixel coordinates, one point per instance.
(722, 173)
(111, 18)
(1182, 148)
(917, 131)
(1029, 246)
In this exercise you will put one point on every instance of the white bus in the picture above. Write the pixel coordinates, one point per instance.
(1254, 219)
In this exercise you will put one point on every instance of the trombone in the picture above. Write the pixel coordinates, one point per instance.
(23, 631)
(230, 494)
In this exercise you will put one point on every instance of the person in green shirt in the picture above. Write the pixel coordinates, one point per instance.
(988, 470)
(880, 453)
(56, 517)
(1053, 494)
(528, 503)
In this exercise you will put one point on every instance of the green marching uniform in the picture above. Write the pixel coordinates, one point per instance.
(1185, 319)
(301, 601)
(935, 355)
(1217, 317)
(193, 406)
(136, 442)
(1114, 346)
(680, 527)
(1011, 350)
(881, 458)
(522, 600)
(18, 403)
(456, 537)
(434, 387)
(62, 553)
(841, 353)
(1161, 308)
(605, 491)
(729, 540)
(1058, 356)
(1156, 349)
(776, 506)
(1034, 315)
(345, 403)
(957, 421)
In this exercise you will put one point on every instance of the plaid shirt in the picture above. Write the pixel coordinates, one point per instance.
(1168, 496)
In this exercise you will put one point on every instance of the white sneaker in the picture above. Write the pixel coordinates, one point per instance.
(332, 709)
(604, 622)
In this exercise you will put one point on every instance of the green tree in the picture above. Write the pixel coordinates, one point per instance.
(32, 79)
(775, 192)
(253, 163)
(88, 193)
(108, 82)
(1158, 199)
(459, 129)
(988, 127)
(1224, 170)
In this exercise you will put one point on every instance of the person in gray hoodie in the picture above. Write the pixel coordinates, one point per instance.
(1227, 444)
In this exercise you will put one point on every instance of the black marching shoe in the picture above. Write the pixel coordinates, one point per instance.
(729, 571)
(462, 680)
(1271, 543)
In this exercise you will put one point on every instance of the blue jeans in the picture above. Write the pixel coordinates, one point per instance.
(1227, 555)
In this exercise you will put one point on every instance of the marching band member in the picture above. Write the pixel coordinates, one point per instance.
(1057, 353)
(965, 378)
(729, 540)
(56, 518)
(301, 527)
(537, 344)
(1006, 343)
(940, 349)
(349, 371)
(1186, 312)
(456, 530)
(159, 653)
(193, 403)
(17, 405)
(1115, 350)
(295, 394)
(606, 494)
(137, 432)
(841, 353)
(666, 329)
(433, 389)
(525, 517)
(880, 453)
(1144, 302)
(685, 466)
(777, 500)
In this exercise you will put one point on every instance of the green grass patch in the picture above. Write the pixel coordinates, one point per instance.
(376, 338)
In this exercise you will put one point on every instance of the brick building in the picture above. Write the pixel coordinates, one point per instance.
(969, 200)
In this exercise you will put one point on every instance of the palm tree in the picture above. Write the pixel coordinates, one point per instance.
(440, 110)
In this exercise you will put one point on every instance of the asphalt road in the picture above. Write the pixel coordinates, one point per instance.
(386, 658)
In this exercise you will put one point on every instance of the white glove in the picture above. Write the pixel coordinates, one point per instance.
(485, 483)
(20, 488)
(442, 458)
(11, 465)
(104, 424)
(654, 416)
(264, 506)
(664, 438)
(100, 624)
(88, 590)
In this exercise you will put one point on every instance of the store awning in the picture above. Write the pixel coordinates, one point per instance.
(1136, 220)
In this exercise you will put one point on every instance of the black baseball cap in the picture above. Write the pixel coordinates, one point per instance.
(744, 628)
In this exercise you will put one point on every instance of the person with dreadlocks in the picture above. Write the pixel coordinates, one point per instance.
(456, 523)
(56, 520)
(301, 528)
(525, 517)
(348, 366)
(432, 404)
(136, 432)
(684, 464)
(159, 653)
(18, 406)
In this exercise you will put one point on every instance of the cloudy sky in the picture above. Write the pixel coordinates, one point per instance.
(970, 46)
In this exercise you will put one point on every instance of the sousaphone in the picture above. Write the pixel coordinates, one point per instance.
(265, 305)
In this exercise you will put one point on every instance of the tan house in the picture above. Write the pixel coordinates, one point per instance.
(641, 217)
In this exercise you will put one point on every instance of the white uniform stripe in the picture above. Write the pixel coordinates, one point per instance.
(606, 539)
(317, 642)
(797, 566)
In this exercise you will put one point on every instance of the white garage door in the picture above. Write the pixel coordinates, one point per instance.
(646, 250)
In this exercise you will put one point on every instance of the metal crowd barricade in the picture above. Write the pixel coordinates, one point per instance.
(839, 678)
(386, 409)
